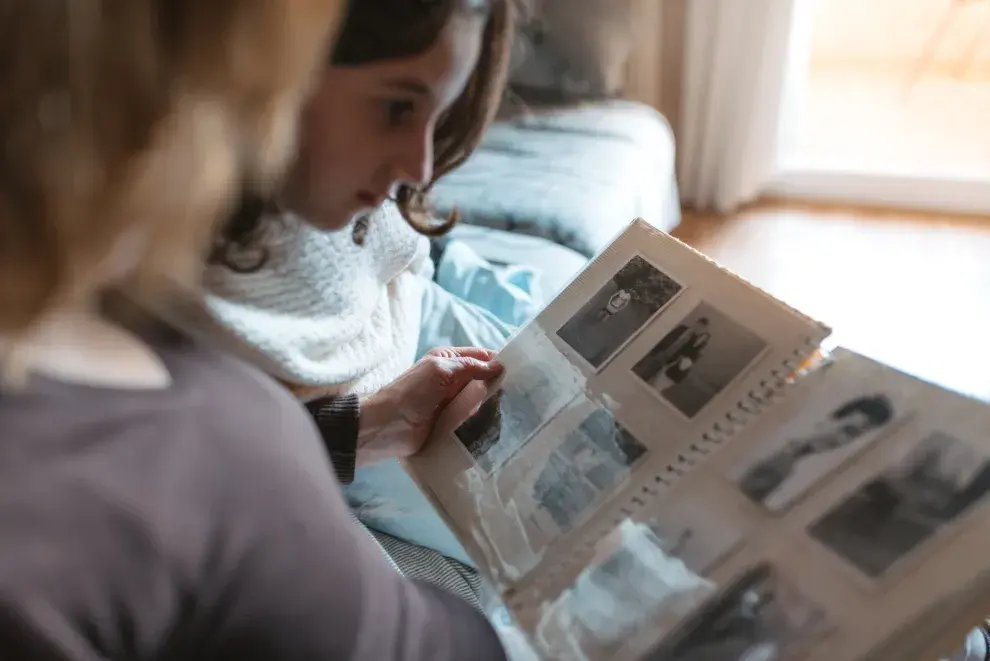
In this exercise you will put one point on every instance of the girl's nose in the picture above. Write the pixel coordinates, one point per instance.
(414, 163)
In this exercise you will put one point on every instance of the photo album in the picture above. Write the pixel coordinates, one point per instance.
(671, 467)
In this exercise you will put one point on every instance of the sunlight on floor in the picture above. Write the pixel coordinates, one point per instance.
(898, 87)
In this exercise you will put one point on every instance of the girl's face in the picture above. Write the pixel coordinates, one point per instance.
(369, 128)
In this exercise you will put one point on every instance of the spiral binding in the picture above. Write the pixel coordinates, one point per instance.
(769, 392)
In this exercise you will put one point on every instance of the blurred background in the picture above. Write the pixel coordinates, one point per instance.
(835, 153)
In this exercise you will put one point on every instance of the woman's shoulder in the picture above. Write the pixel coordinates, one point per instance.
(221, 414)
(231, 384)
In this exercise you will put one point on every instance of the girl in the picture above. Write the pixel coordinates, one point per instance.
(332, 291)
(159, 500)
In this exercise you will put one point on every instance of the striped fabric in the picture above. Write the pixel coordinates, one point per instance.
(423, 564)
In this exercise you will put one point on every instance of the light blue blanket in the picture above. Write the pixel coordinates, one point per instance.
(471, 303)
(975, 648)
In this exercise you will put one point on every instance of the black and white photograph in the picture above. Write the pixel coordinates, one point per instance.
(697, 532)
(909, 503)
(804, 450)
(633, 296)
(483, 430)
(538, 383)
(591, 462)
(760, 616)
(633, 585)
(698, 359)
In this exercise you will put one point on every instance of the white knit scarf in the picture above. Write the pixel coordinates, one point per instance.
(324, 314)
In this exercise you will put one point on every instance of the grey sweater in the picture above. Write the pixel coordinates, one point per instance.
(200, 522)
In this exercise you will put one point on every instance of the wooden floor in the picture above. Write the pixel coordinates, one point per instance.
(910, 290)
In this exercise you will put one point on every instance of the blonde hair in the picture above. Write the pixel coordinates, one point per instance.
(128, 126)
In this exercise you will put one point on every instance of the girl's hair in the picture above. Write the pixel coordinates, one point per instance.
(126, 124)
(380, 30)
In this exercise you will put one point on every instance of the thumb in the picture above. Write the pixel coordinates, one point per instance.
(465, 369)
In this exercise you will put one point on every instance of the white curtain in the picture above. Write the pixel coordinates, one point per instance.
(735, 65)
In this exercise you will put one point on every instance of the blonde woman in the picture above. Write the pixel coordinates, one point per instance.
(159, 500)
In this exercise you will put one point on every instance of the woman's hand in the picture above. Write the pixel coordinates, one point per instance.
(397, 420)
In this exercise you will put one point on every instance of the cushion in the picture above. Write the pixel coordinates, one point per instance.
(576, 176)
(571, 50)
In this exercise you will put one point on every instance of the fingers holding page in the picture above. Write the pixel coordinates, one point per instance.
(478, 353)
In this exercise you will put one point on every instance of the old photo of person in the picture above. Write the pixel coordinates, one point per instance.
(593, 460)
(778, 477)
(527, 399)
(760, 616)
(698, 359)
(630, 298)
(907, 504)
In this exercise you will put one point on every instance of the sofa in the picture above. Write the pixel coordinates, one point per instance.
(569, 163)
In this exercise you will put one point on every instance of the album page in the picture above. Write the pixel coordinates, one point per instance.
(648, 350)
(849, 522)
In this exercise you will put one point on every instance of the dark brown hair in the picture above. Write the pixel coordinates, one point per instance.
(379, 30)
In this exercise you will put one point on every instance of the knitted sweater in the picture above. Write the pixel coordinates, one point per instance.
(327, 314)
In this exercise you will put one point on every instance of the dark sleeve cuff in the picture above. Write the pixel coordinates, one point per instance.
(338, 419)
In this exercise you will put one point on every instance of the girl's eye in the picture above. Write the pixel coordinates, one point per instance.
(397, 113)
